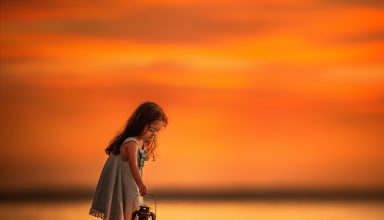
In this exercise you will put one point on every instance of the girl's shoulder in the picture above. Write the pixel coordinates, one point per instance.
(131, 139)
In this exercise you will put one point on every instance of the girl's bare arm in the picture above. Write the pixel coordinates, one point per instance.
(129, 153)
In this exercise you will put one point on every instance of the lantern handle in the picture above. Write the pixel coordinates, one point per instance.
(154, 198)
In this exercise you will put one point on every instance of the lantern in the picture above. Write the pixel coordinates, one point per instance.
(144, 212)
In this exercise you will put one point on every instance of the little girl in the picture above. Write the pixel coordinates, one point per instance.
(121, 178)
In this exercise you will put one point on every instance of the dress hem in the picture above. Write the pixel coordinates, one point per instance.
(97, 213)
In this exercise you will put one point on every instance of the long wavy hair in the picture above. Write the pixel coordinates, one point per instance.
(145, 114)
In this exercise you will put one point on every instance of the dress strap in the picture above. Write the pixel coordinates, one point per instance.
(131, 139)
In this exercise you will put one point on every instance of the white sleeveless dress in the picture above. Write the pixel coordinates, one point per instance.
(116, 190)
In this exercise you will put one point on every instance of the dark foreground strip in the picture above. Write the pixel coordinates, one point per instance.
(50, 195)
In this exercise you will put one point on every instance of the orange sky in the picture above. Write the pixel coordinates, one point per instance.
(276, 94)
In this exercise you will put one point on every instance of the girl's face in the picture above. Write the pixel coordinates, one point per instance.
(151, 130)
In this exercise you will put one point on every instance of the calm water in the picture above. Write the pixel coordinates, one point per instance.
(177, 210)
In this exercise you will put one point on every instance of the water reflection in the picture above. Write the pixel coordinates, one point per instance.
(195, 210)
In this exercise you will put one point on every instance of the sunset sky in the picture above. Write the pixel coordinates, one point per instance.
(259, 94)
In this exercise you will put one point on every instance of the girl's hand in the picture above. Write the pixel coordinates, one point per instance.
(142, 189)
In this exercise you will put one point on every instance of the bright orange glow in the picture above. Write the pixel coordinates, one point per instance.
(275, 94)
